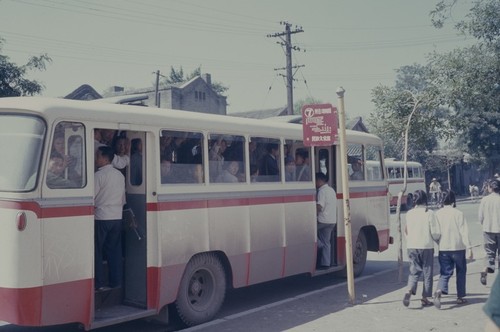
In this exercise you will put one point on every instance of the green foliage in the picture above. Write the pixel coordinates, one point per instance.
(457, 93)
(13, 81)
(415, 95)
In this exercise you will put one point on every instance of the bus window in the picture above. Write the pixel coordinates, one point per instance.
(268, 159)
(355, 161)
(374, 163)
(297, 164)
(66, 165)
(227, 161)
(181, 157)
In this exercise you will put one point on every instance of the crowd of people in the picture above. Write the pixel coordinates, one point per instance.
(447, 228)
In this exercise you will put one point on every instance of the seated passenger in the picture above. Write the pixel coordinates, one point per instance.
(303, 170)
(166, 170)
(357, 168)
(289, 169)
(228, 175)
(55, 174)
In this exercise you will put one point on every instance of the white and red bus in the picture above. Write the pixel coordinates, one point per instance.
(415, 181)
(198, 234)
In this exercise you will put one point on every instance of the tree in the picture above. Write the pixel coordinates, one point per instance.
(414, 90)
(177, 76)
(13, 81)
(470, 79)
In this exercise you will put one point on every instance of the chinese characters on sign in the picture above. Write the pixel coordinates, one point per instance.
(319, 123)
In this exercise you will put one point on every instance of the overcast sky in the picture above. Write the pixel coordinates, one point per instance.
(355, 44)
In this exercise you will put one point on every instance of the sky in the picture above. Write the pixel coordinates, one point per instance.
(354, 44)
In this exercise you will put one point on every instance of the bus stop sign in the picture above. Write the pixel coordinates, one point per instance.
(319, 124)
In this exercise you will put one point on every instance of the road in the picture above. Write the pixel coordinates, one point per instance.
(239, 301)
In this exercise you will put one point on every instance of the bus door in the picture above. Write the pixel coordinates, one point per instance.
(134, 238)
(325, 163)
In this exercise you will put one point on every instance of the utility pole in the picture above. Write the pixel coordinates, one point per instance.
(157, 87)
(287, 43)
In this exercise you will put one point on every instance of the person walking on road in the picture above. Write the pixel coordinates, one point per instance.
(489, 217)
(492, 308)
(453, 244)
(421, 231)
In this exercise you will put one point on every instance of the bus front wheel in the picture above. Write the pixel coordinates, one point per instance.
(202, 289)
(359, 254)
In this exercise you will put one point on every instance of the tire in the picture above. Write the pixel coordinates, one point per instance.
(202, 290)
(359, 254)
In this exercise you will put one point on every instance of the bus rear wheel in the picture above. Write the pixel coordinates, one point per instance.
(359, 254)
(202, 290)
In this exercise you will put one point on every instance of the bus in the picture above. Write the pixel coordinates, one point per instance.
(415, 181)
(196, 235)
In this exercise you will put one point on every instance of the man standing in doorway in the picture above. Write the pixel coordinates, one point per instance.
(109, 198)
(326, 207)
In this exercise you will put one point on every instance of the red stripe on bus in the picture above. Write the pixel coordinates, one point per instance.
(214, 203)
(48, 305)
(49, 212)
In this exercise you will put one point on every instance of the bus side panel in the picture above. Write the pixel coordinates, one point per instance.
(182, 234)
(68, 265)
(267, 242)
(229, 232)
(20, 265)
(300, 237)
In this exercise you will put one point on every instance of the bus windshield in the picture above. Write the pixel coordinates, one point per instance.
(21, 142)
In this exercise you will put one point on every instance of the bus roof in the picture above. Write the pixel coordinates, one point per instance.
(57, 108)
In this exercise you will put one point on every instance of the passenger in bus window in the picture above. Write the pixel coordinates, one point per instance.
(253, 153)
(136, 162)
(326, 206)
(290, 169)
(254, 172)
(303, 170)
(166, 170)
(197, 174)
(55, 173)
(269, 169)
(109, 198)
(357, 170)
(229, 174)
(216, 156)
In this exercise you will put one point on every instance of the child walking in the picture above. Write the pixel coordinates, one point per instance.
(452, 248)
(421, 231)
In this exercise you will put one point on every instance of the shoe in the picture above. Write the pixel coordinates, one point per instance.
(483, 277)
(103, 289)
(323, 267)
(406, 299)
(461, 300)
(437, 299)
(425, 302)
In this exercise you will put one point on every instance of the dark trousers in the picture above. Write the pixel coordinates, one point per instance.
(108, 243)
(449, 261)
(421, 264)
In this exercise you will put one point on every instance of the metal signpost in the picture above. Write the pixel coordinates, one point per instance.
(319, 124)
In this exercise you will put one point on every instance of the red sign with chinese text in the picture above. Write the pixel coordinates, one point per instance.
(319, 124)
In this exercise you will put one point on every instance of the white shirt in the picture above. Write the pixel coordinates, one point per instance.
(421, 226)
(454, 230)
(489, 213)
(109, 186)
(327, 199)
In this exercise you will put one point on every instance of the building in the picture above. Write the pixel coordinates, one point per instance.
(195, 95)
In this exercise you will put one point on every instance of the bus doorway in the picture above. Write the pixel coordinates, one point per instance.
(325, 163)
(132, 292)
